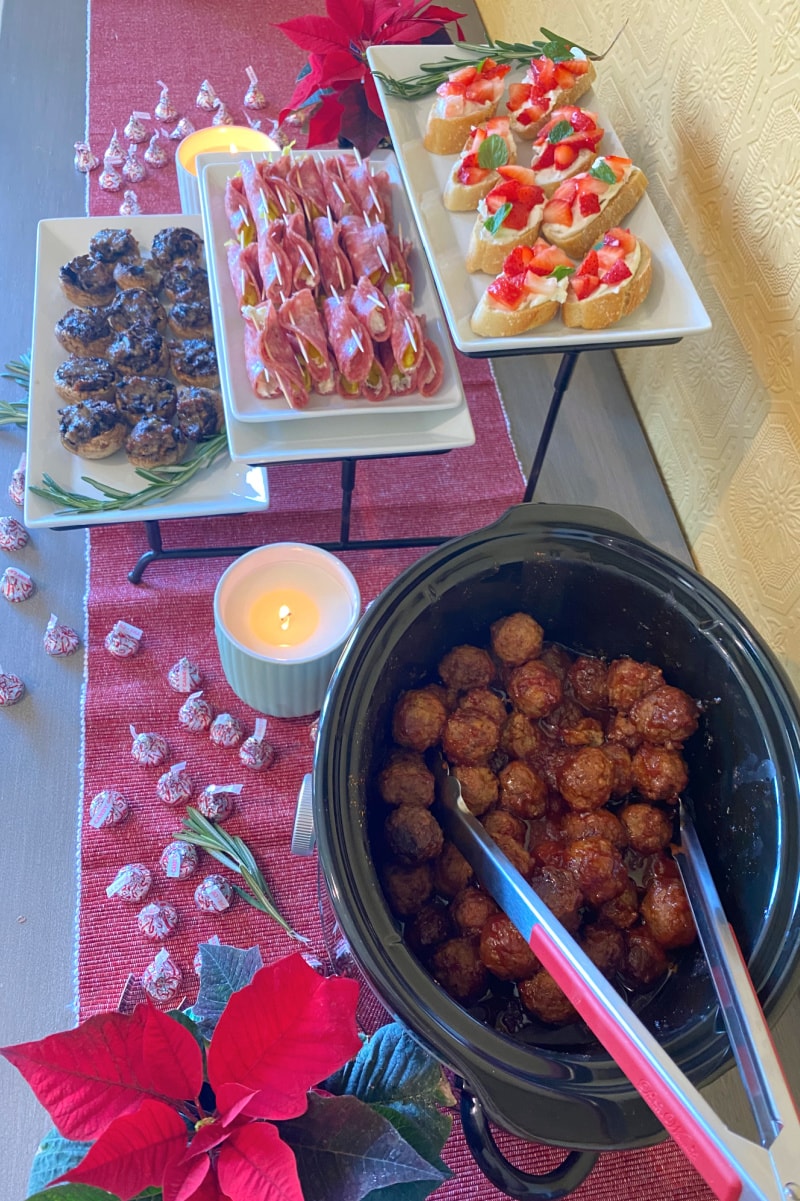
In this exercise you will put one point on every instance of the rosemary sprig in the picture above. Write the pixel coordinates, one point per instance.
(234, 853)
(162, 482)
(15, 412)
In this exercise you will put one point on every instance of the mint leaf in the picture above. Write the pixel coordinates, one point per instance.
(601, 170)
(561, 272)
(54, 1156)
(493, 223)
(492, 152)
(223, 971)
(561, 130)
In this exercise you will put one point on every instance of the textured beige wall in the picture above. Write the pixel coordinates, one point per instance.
(704, 96)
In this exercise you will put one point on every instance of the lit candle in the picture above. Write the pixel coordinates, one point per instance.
(213, 140)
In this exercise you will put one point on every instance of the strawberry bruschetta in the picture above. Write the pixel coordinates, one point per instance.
(566, 145)
(613, 280)
(488, 147)
(509, 216)
(528, 292)
(467, 97)
(546, 85)
(582, 208)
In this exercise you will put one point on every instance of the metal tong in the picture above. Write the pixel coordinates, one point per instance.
(732, 1166)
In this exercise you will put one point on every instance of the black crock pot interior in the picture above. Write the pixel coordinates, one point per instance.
(598, 590)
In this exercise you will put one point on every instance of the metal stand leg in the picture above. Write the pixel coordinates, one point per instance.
(563, 376)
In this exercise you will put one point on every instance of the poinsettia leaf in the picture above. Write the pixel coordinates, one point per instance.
(223, 971)
(73, 1192)
(255, 1164)
(346, 1150)
(412, 32)
(107, 1067)
(318, 34)
(339, 67)
(348, 15)
(181, 1180)
(424, 1128)
(374, 101)
(359, 124)
(445, 16)
(326, 122)
(54, 1156)
(205, 1139)
(288, 1029)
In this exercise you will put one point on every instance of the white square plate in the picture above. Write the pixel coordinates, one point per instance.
(672, 308)
(224, 487)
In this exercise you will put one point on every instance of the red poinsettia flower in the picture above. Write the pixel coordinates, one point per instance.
(135, 1085)
(337, 53)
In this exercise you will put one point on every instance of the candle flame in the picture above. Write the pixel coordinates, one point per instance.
(284, 616)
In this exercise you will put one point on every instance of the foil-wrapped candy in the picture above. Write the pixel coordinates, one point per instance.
(182, 130)
(135, 130)
(59, 639)
(161, 979)
(256, 752)
(222, 115)
(110, 179)
(254, 97)
(131, 883)
(130, 206)
(133, 170)
(13, 535)
(16, 585)
(114, 153)
(165, 110)
(16, 489)
(12, 688)
(155, 154)
(85, 160)
(206, 97)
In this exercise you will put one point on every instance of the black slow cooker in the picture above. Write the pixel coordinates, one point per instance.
(598, 589)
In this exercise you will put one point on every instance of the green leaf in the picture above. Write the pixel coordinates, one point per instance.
(492, 224)
(54, 1156)
(223, 971)
(492, 152)
(74, 1192)
(601, 170)
(560, 272)
(562, 129)
(423, 1128)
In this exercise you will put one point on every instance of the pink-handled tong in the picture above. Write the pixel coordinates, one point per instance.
(732, 1166)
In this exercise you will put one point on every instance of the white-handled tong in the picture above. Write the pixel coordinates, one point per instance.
(732, 1166)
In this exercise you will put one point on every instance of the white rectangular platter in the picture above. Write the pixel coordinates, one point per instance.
(224, 487)
(672, 309)
(240, 401)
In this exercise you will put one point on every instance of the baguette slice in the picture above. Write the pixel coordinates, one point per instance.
(487, 251)
(525, 295)
(545, 100)
(469, 96)
(610, 304)
(576, 242)
(462, 196)
(446, 135)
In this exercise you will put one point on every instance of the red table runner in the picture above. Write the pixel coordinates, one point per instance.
(182, 42)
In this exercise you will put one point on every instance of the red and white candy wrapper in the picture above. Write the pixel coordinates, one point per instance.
(256, 752)
(313, 730)
(182, 130)
(133, 170)
(184, 676)
(222, 116)
(254, 97)
(135, 130)
(12, 689)
(59, 639)
(85, 160)
(109, 179)
(131, 883)
(156, 154)
(158, 920)
(130, 206)
(165, 110)
(123, 640)
(196, 714)
(178, 859)
(114, 153)
(161, 979)
(107, 808)
(217, 801)
(176, 786)
(16, 585)
(213, 895)
(13, 535)
(149, 750)
(16, 489)
(197, 962)
(226, 730)
(206, 97)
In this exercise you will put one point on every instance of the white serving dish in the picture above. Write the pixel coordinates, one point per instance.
(225, 487)
(672, 309)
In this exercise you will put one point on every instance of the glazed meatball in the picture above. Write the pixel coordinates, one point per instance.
(622, 911)
(428, 928)
(559, 890)
(516, 639)
(451, 872)
(535, 689)
(645, 960)
(515, 852)
(542, 997)
(649, 829)
(586, 779)
(407, 888)
(485, 701)
(597, 823)
(667, 914)
(597, 867)
(499, 824)
(547, 852)
(418, 720)
(658, 773)
(661, 867)
(628, 681)
(522, 792)
(413, 834)
(457, 966)
(405, 780)
(620, 731)
(466, 667)
(479, 788)
(588, 681)
(504, 951)
(557, 659)
(470, 911)
(519, 737)
(665, 714)
(605, 946)
(573, 728)
(469, 738)
(622, 780)
(550, 759)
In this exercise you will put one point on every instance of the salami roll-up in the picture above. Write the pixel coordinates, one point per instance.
(367, 247)
(406, 336)
(338, 197)
(349, 340)
(305, 268)
(399, 272)
(244, 272)
(278, 357)
(237, 210)
(365, 192)
(277, 271)
(300, 317)
(334, 265)
(260, 380)
(262, 203)
(371, 306)
(274, 178)
(376, 386)
(400, 382)
(305, 178)
(430, 372)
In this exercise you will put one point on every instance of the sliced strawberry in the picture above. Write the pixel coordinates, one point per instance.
(477, 135)
(584, 285)
(583, 140)
(529, 195)
(518, 94)
(525, 116)
(588, 203)
(463, 76)
(481, 91)
(558, 212)
(518, 261)
(617, 274)
(620, 237)
(543, 73)
(567, 191)
(517, 172)
(498, 125)
(469, 175)
(517, 218)
(548, 257)
(576, 66)
(618, 164)
(563, 76)
(546, 159)
(506, 291)
(564, 155)
(493, 70)
(590, 265)
(581, 119)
